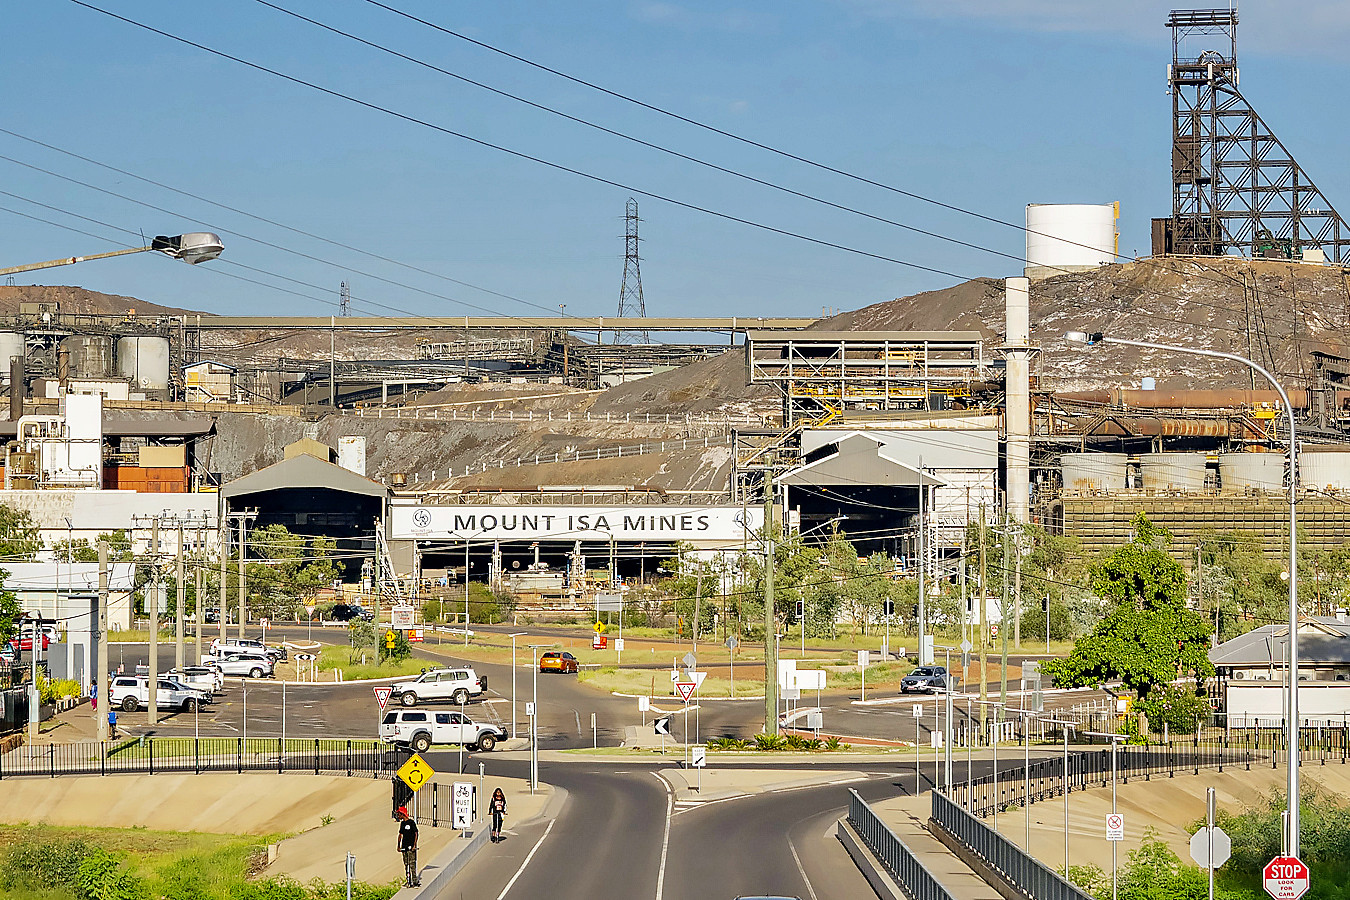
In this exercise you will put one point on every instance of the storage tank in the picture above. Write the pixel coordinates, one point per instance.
(1093, 471)
(145, 360)
(1252, 471)
(11, 345)
(1069, 237)
(1173, 471)
(1324, 470)
(90, 356)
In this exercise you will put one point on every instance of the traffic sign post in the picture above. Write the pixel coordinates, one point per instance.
(1210, 846)
(662, 727)
(415, 772)
(686, 688)
(461, 806)
(1115, 827)
(1285, 878)
(382, 696)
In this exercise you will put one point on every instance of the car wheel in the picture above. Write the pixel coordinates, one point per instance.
(408, 699)
(255, 672)
(460, 697)
(189, 704)
(129, 704)
(421, 743)
(486, 743)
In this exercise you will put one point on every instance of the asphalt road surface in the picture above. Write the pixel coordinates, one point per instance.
(621, 836)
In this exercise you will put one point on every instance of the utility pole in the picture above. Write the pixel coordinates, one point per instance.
(223, 550)
(984, 625)
(770, 647)
(1017, 593)
(103, 669)
(197, 594)
(179, 606)
(924, 659)
(153, 611)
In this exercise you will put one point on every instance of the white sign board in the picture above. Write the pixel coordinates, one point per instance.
(792, 693)
(810, 680)
(918, 710)
(787, 669)
(609, 602)
(1200, 844)
(862, 659)
(644, 704)
(1115, 827)
(618, 645)
(529, 708)
(815, 721)
(694, 524)
(462, 810)
(401, 618)
(698, 757)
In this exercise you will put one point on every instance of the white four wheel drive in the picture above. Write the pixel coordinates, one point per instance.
(132, 692)
(458, 685)
(419, 729)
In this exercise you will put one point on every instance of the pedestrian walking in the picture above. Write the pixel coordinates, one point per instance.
(407, 845)
(498, 809)
(93, 694)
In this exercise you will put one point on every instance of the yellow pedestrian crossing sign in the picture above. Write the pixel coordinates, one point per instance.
(415, 772)
(599, 627)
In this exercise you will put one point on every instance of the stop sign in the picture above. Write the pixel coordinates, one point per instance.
(1285, 878)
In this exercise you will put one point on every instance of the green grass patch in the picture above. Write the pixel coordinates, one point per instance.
(348, 659)
(179, 748)
(645, 682)
(55, 863)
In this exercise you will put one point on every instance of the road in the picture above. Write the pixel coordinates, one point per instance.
(609, 840)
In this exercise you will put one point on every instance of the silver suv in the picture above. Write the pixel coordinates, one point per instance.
(254, 665)
(458, 685)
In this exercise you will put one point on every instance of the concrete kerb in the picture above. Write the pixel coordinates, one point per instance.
(450, 861)
(664, 697)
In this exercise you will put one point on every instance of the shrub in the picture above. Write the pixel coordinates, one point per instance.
(770, 742)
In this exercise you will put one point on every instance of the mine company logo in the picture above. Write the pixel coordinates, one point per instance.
(421, 518)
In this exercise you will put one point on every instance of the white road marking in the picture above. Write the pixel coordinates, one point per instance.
(798, 860)
(665, 838)
(529, 856)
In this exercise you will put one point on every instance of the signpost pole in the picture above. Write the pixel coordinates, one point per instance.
(1209, 837)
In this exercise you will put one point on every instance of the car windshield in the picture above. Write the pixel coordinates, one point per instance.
(921, 672)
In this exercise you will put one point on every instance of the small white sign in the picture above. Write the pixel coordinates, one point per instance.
(463, 804)
(815, 721)
(792, 693)
(698, 757)
(674, 674)
(862, 659)
(810, 680)
(918, 710)
(935, 740)
(401, 618)
(1115, 827)
(618, 645)
(529, 708)
(644, 704)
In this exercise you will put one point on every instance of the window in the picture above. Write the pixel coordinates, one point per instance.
(457, 719)
(390, 718)
(442, 718)
(415, 717)
(461, 676)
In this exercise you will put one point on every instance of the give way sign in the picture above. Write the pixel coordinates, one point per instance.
(1285, 878)
(382, 696)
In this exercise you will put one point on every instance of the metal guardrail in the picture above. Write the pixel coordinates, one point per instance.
(914, 877)
(153, 756)
(1028, 874)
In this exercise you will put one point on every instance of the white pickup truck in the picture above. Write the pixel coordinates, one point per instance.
(132, 692)
(420, 729)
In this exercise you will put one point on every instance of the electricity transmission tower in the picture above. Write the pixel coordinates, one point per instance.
(1235, 186)
(630, 290)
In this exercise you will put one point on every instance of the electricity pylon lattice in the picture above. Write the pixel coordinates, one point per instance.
(1235, 187)
(630, 290)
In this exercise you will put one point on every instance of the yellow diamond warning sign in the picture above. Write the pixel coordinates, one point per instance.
(415, 772)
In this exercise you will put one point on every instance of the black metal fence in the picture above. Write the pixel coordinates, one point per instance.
(151, 756)
(1018, 784)
(1028, 874)
(891, 852)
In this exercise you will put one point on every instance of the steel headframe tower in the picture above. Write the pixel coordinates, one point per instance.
(1235, 187)
(630, 291)
(344, 300)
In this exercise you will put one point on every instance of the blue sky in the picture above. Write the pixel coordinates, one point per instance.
(983, 104)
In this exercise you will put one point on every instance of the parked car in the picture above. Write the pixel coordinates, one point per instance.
(246, 645)
(345, 612)
(207, 678)
(555, 661)
(924, 680)
(131, 692)
(25, 641)
(254, 665)
(458, 685)
(419, 729)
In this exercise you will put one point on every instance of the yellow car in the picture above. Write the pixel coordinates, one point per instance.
(556, 661)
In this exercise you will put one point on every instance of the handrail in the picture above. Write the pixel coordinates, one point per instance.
(891, 852)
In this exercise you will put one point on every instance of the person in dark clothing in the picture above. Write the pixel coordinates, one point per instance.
(407, 845)
(498, 809)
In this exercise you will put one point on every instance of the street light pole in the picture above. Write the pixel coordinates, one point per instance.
(1291, 721)
(513, 681)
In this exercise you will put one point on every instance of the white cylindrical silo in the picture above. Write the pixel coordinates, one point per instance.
(1324, 470)
(1069, 237)
(145, 360)
(1086, 472)
(1173, 472)
(1252, 472)
(11, 345)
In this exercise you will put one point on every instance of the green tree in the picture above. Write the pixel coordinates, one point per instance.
(84, 550)
(283, 570)
(19, 537)
(1148, 637)
(9, 610)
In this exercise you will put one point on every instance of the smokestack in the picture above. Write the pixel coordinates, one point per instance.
(15, 388)
(1017, 406)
